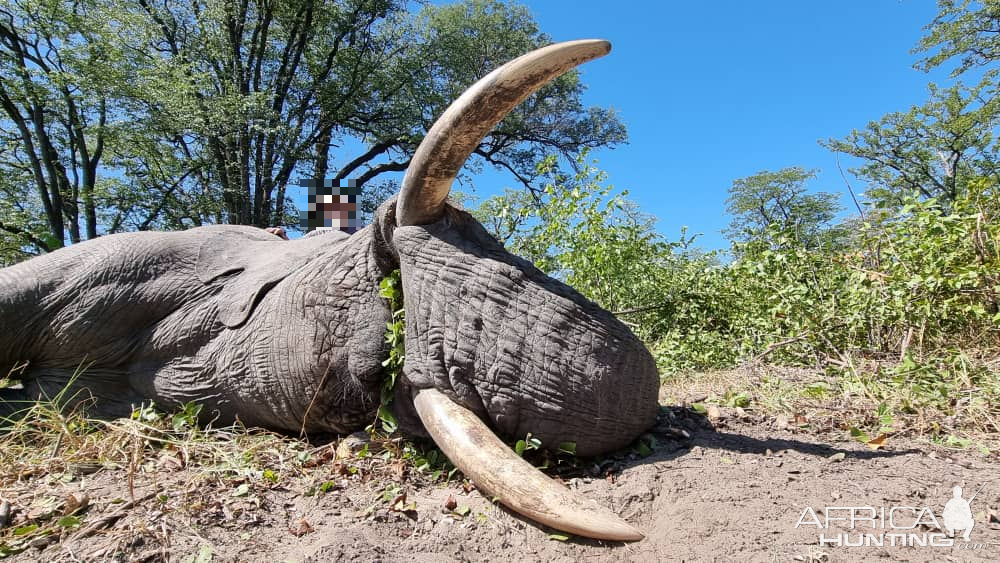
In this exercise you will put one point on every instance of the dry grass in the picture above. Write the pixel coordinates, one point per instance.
(66, 478)
(955, 405)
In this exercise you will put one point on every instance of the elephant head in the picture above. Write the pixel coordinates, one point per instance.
(494, 343)
(289, 334)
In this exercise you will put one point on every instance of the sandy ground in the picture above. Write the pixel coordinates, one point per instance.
(729, 491)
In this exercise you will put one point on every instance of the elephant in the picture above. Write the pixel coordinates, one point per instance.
(290, 335)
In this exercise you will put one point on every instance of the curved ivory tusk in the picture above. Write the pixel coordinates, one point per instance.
(494, 468)
(468, 119)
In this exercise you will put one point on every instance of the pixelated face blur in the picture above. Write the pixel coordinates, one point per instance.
(330, 207)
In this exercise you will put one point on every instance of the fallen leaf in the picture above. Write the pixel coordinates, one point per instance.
(399, 500)
(876, 443)
(68, 522)
(301, 528)
(781, 422)
(75, 502)
(205, 554)
(451, 503)
(43, 509)
(170, 462)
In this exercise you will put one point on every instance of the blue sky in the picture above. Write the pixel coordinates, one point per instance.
(715, 91)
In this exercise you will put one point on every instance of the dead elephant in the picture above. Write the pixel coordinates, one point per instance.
(290, 334)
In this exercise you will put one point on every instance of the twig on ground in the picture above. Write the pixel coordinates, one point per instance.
(772, 347)
(109, 519)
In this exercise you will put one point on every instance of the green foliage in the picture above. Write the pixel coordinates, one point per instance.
(529, 443)
(186, 417)
(922, 278)
(186, 112)
(577, 229)
(963, 29)
(780, 199)
(391, 288)
(935, 149)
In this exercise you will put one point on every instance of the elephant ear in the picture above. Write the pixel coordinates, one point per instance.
(253, 267)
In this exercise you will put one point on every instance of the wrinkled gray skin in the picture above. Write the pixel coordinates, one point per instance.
(290, 334)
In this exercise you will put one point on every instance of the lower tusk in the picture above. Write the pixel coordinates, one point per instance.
(498, 471)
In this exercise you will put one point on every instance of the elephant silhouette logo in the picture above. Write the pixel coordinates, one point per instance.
(958, 513)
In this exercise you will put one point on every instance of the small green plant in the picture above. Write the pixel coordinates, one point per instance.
(734, 399)
(817, 390)
(528, 444)
(186, 417)
(391, 288)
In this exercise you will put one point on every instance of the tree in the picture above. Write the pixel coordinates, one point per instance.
(184, 112)
(54, 122)
(963, 29)
(268, 91)
(778, 200)
(466, 41)
(933, 150)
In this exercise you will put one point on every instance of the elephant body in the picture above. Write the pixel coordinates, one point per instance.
(251, 326)
(291, 334)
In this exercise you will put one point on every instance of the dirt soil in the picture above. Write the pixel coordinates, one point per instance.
(730, 489)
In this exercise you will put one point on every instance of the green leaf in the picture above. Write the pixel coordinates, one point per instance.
(567, 447)
(68, 522)
(559, 537)
(205, 554)
(388, 419)
(25, 530)
(859, 435)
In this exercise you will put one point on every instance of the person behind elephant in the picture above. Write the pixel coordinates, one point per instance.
(330, 207)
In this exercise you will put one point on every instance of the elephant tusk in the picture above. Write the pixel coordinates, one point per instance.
(498, 471)
(468, 119)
